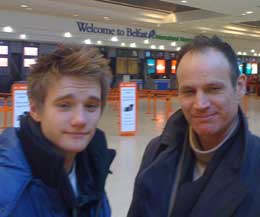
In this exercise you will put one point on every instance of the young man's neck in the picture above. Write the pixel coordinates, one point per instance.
(68, 162)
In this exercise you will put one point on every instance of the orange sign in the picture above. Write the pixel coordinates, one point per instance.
(160, 66)
(173, 66)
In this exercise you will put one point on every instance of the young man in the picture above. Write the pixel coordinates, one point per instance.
(206, 162)
(57, 162)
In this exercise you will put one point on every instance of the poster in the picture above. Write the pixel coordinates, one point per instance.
(128, 111)
(20, 102)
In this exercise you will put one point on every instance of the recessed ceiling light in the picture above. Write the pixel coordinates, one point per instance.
(107, 18)
(146, 41)
(114, 38)
(75, 15)
(99, 42)
(132, 44)
(183, 1)
(87, 41)
(22, 36)
(173, 43)
(178, 48)
(255, 54)
(243, 14)
(239, 53)
(122, 44)
(8, 29)
(161, 47)
(249, 12)
(24, 6)
(153, 46)
(244, 53)
(67, 35)
(252, 51)
(259, 54)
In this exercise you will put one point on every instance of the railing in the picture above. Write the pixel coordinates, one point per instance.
(5, 109)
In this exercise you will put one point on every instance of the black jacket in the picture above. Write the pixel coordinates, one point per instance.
(233, 189)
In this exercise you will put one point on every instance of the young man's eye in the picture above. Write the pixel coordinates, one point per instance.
(92, 107)
(64, 105)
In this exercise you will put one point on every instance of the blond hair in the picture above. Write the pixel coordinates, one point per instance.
(78, 61)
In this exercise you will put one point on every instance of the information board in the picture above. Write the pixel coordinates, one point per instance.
(20, 102)
(128, 108)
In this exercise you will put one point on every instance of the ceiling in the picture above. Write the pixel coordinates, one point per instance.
(238, 21)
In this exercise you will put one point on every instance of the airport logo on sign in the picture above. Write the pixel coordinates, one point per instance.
(128, 32)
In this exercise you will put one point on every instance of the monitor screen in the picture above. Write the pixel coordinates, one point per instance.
(160, 66)
(254, 68)
(150, 66)
(172, 55)
(160, 55)
(29, 62)
(173, 66)
(3, 62)
(3, 49)
(248, 69)
(240, 67)
(147, 54)
(30, 51)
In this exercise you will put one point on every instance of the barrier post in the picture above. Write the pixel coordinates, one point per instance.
(167, 106)
(154, 107)
(5, 112)
(148, 103)
(245, 104)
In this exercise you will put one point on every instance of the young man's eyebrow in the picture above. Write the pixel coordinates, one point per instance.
(72, 96)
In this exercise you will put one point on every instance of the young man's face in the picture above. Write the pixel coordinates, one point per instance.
(207, 97)
(70, 113)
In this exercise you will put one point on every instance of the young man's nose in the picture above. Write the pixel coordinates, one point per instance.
(79, 117)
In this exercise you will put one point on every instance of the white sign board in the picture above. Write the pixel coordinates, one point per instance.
(20, 102)
(128, 108)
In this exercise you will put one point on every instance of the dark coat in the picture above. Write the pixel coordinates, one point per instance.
(23, 194)
(232, 190)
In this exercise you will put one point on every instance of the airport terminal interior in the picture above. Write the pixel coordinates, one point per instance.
(141, 39)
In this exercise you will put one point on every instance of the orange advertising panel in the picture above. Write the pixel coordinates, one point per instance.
(173, 66)
(160, 66)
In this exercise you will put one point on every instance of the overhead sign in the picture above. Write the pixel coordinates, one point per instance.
(20, 102)
(128, 105)
(128, 31)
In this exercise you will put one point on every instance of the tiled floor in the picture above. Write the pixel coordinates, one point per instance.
(130, 149)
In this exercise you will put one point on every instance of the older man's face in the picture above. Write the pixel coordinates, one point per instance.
(207, 97)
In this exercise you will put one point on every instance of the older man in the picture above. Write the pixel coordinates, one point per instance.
(206, 162)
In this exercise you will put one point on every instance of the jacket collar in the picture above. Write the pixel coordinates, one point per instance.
(175, 130)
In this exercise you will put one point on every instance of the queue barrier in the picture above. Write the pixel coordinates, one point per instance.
(5, 108)
(152, 96)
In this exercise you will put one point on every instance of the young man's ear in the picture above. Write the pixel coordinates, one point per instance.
(34, 112)
(241, 86)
